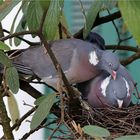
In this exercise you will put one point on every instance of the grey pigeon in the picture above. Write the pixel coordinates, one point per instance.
(104, 91)
(80, 60)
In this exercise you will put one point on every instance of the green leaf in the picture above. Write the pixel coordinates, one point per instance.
(130, 12)
(6, 7)
(5, 60)
(52, 19)
(13, 23)
(109, 4)
(20, 27)
(91, 16)
(12, 79)
(129, 137)
(96, 131)
(39, 100)
(45, 4)
(34, 15)
(3, 46)
(13, 108)
(43, 110)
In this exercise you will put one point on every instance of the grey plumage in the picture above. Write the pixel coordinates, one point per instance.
(77, 58)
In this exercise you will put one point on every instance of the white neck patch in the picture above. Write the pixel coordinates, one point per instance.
(127, 87)
(93, 59)
(120, 103)
(104, 85)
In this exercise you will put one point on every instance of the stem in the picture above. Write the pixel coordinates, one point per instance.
(8, 135)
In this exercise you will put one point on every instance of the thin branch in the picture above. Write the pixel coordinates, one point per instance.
(25, 86)
(5, 120)
(18, 122)
(131, 59)
(99, 21)
(54, 60)
(26, 41)
(123, 47)
(18, 34)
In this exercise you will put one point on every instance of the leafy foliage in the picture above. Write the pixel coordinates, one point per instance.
(96, 131)
(12, 79)
(130, 11)
(13, 108)
(91, 16)
(52, 19)
(129, 137)
(42, 110)
(6, 7)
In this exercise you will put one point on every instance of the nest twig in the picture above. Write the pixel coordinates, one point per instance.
(119, 122)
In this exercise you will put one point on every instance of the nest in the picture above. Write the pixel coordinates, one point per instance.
(119, 122)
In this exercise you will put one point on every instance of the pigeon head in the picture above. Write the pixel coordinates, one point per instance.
(105, 60)
(116, 91)
(110, 63)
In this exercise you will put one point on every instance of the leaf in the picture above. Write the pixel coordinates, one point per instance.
(12, 79)
(43, 110)
(96, 131)
(45, 4)
(91, 16)
(34, 15)
(109, 4)
(40, 99)
(5, 60)
(20, 27)
(13, 108)
(13, 23)
(129, 137)
(3, 46)
(130, 12)
(52, 19)
(6, 7)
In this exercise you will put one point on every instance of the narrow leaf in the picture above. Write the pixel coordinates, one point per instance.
(130, 12)
(42, 111)
(5, 60)
(96, 131)
(20, 27)
(39, 100)
(6, 7)
(52, 19)
(13, 23)
(12, 79)
(34, 15)
(13, 108)
(45, 4)
(4, 46)
(129, 137)
(91, 16)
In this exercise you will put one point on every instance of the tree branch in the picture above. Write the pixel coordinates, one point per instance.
(8, 135)
(131, 59)
(99, 21)
(17, 34)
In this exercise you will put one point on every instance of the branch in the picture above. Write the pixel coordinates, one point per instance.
(17, 34)
(26, 41)
(123, 47)
(131, 58)
(99, 21)
(5, 120)
(25, 86)
(53, 58)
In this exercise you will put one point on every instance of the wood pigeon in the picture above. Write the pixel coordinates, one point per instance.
(103, 90)
(80, 61)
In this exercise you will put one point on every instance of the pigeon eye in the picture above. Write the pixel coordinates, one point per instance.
(110, 64)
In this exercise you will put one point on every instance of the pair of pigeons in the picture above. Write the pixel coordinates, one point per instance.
(106, 81)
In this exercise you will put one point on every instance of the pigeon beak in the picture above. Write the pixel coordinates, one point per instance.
(114, 73)
(120, 103)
